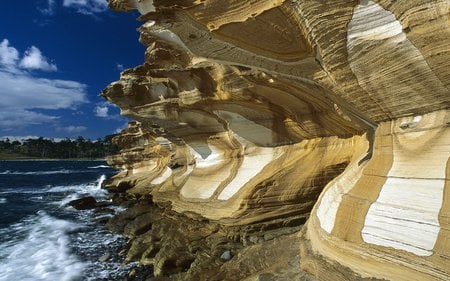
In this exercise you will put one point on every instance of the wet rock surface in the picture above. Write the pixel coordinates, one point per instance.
(84, 203)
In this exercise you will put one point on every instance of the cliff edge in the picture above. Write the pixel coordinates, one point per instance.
(254, 117)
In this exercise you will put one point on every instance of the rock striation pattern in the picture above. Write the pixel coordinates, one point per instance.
(253, 116)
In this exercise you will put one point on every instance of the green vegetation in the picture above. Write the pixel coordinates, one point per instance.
(66, 149)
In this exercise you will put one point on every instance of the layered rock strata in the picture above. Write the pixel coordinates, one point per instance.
(249, 113)
(392, 210)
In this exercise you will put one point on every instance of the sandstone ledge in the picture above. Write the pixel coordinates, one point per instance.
(252, 116)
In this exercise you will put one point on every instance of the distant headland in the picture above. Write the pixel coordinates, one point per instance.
(44, 148)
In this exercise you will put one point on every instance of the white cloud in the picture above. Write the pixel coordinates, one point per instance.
(71, 129)
(104, 109)
(13, 119)
(120, 67)
(21, 93)
(33, 59)
(101, 111)
(8, 55)
(87, 7)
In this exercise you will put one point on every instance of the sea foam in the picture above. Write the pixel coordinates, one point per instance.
(44, 254)
(100, 167)
(92, 189)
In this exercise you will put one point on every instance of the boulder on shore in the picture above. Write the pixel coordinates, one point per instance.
(84, 203)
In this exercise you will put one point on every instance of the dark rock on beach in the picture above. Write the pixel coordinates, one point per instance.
(84, 203)
(89, 202)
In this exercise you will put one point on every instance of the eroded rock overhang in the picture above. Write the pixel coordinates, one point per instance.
(246, 110)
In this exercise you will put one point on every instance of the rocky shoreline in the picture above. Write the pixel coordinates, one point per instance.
(173, 246)
(170, 246)
(272, 137)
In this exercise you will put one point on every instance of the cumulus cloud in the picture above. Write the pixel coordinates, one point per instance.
(87, 7)
(33, 59)
(71, 129)
(8, 55)
(22, 93)
(120, 67)
(101, 111)
(104, 109)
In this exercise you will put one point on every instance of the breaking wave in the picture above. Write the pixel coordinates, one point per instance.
(100, 167)
(43, 254)
(42, 238)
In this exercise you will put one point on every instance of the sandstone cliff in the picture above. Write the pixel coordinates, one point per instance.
(253, 116)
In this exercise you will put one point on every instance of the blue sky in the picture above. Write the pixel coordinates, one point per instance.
(55, 58)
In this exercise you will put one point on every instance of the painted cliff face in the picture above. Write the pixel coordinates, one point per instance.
(248, 111)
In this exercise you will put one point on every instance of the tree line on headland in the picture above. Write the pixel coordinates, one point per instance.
(65, 149)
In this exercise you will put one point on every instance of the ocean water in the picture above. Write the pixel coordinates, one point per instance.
(41, 237)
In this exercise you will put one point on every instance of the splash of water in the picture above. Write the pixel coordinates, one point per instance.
(44, 254)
